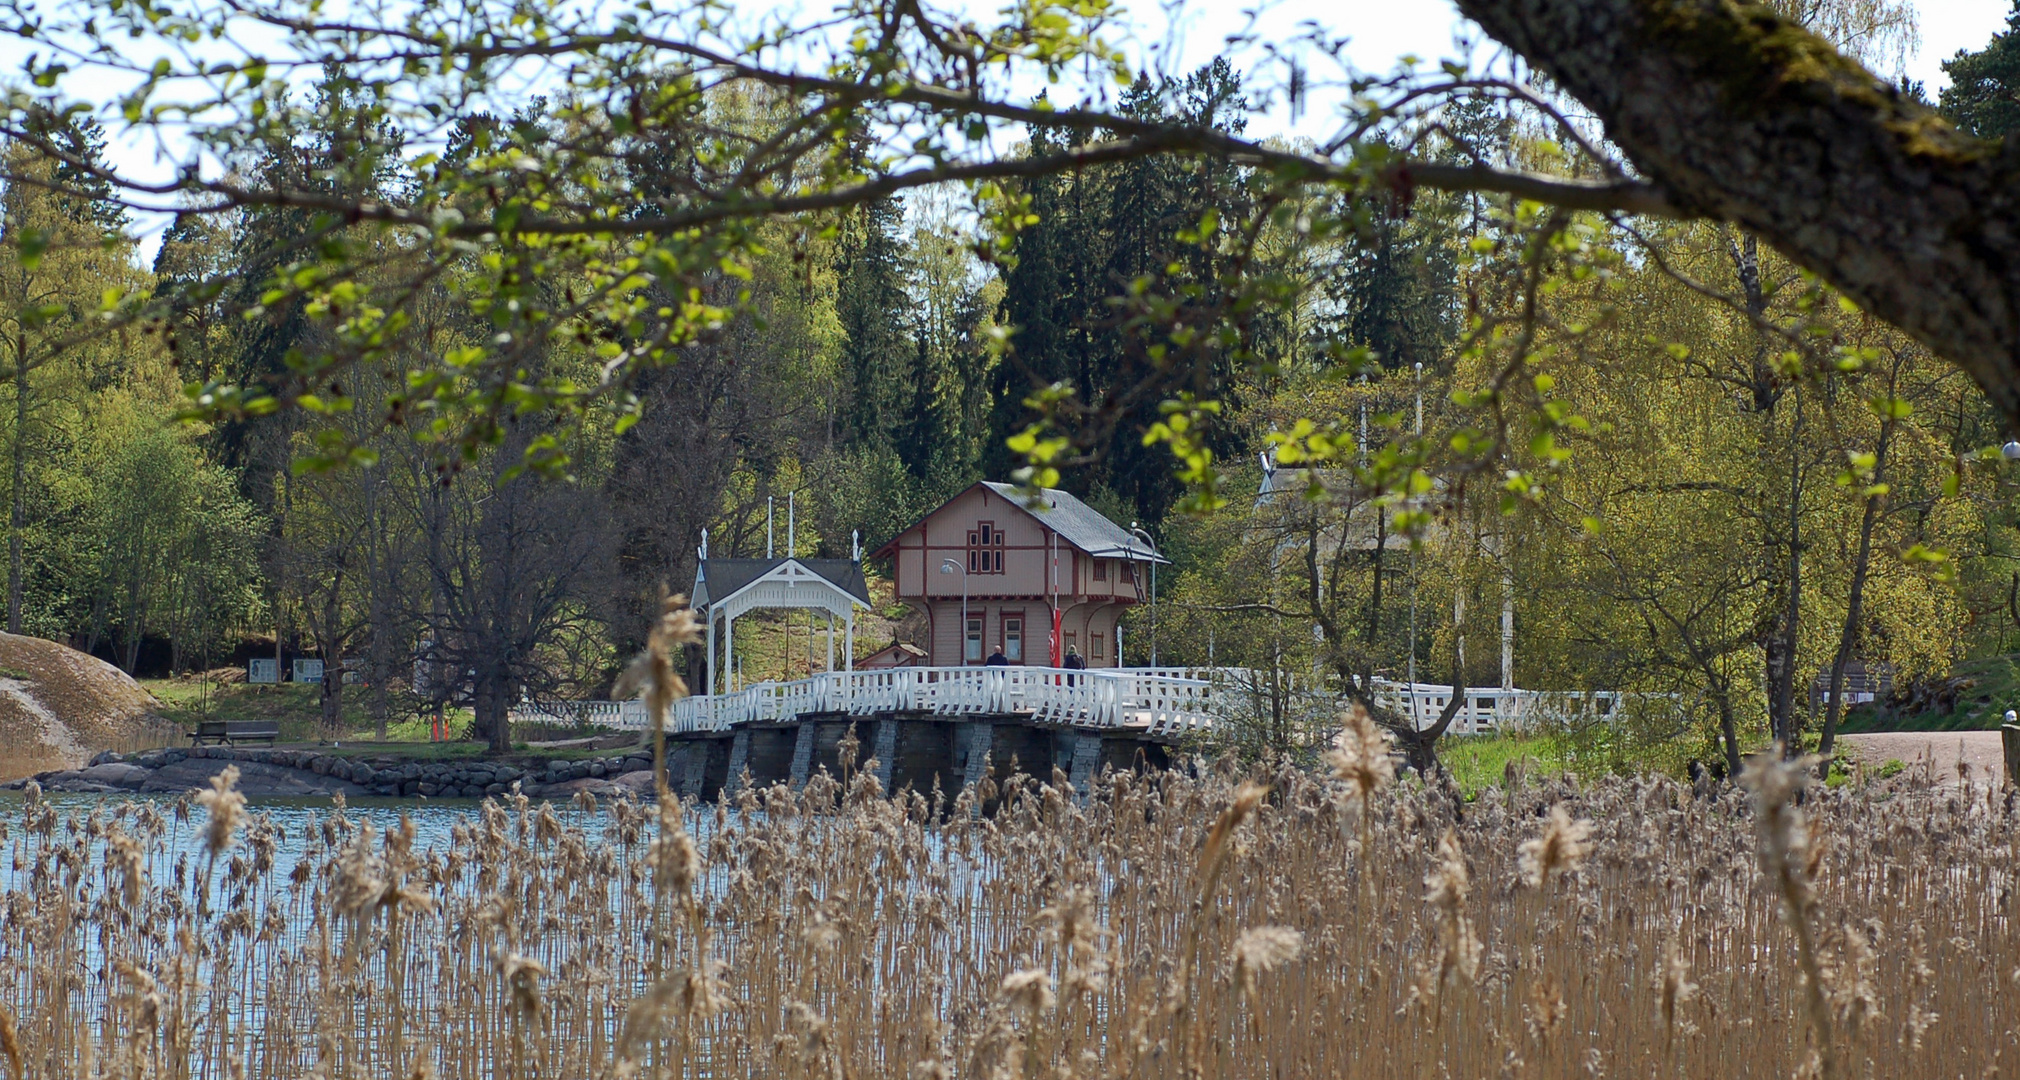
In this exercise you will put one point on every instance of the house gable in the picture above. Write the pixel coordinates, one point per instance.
(1006, 548)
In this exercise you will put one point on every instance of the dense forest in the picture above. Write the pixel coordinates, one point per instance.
(1713, 479)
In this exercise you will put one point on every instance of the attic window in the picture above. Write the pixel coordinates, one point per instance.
(1101, 569)
(985, 549)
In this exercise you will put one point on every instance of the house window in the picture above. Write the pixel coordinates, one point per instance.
(971, 648)
(985, 549)
(1099, 642)
(1101, 569)
(1013, 639)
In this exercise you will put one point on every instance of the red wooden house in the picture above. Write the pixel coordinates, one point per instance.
(1039, 577)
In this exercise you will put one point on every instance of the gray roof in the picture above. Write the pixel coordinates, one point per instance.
(724, 578)
(1079, 524)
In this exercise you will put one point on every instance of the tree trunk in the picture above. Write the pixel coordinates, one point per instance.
(98, 606)
(132, 654)
(133, 608)
(1375, 580)
(1737, 115)
(280, 602)
(17, 514)
(379, 666)
(1728, 728)
(333, 688)
(1420, 748)
(492, 704)
(1783, 690)
(1848, 637)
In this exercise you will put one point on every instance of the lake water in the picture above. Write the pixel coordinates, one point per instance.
(293, 818)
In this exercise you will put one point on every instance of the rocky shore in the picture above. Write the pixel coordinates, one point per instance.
(283, 773)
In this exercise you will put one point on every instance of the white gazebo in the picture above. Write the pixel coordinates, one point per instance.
(727, 588)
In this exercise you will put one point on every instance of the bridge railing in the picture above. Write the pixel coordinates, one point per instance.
(1164, 701)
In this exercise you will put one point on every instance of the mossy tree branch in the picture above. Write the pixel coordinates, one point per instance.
(1737, 115)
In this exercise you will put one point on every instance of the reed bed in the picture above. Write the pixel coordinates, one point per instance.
(1335, 925)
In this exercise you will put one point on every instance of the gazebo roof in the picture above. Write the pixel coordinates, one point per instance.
(722, 581)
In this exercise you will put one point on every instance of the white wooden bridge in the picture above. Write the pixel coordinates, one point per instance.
(1160, 703)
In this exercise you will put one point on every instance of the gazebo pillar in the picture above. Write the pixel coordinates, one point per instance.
(778, 585)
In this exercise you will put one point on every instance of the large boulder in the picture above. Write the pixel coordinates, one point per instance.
(595, 785)
(117, 774)
(60, 708)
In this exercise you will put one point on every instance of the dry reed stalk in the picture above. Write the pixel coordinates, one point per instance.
(1212, 862)
(652, 672)
(1560, 848)
(829, 932)
(1361, 761)
(1776, 781)
(10, 1044)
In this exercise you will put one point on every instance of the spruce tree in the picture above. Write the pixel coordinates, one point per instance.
(873, 309)
(1099, 234)
(1983, 97)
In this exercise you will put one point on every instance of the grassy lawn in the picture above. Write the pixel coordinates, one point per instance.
(297, 707)
(1478, 762)
(1995, 688)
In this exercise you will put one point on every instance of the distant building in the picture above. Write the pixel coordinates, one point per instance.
(896, 654)
(1863, 683)
(1040, 579)
(1349, 517)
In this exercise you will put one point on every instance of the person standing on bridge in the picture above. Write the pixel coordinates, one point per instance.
(1073, 662)
(997, 659)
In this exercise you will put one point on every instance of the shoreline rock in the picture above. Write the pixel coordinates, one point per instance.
(295, 773)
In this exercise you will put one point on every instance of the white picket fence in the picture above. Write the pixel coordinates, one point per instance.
(1155, 701)
(628, 715)
(1490, 709)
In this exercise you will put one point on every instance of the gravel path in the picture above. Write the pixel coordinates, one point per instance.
(1979, 749)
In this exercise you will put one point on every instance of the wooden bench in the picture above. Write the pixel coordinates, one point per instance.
(233, 732)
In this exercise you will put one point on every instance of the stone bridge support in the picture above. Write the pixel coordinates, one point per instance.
(697, 767)
(911, 750)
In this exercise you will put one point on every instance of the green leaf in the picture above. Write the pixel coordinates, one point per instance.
(31, 245)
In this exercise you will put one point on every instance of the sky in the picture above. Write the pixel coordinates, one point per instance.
(1950, 25)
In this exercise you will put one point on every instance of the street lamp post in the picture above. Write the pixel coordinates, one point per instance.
(1136, 533)
(948, 566)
